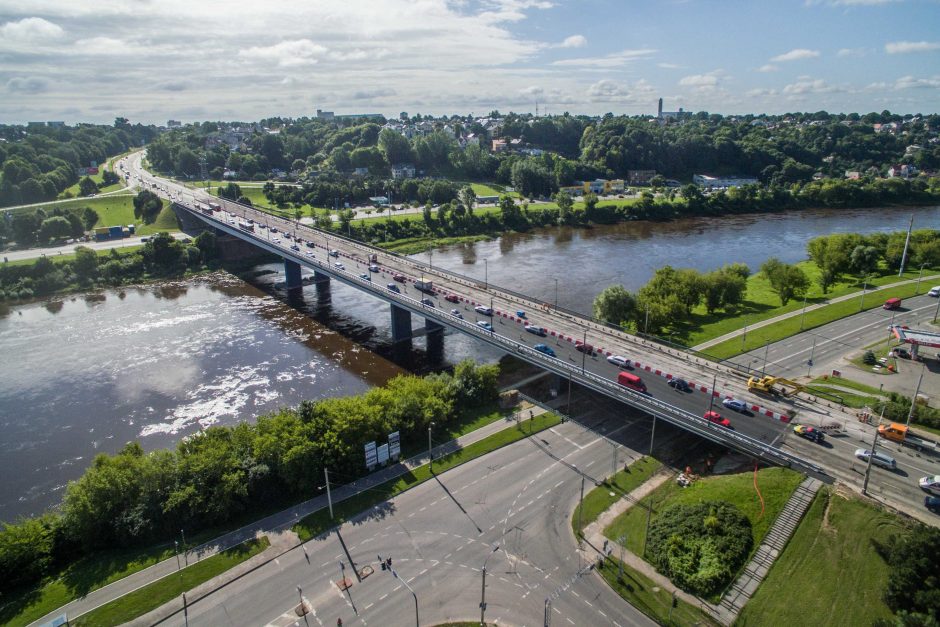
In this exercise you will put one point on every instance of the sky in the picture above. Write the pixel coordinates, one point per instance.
(194, 60)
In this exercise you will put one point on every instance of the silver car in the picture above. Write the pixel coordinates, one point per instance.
(879, 458)
(930, 484)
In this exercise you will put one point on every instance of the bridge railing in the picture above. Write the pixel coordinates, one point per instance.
(656, 407)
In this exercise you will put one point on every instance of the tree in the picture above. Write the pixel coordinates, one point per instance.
(207, 243)
(787, 280)
(531, 179)
(863, 260)
(829, 254)
(615, 305)
(85, 265)
(395, 147)
(147, 206)
(87, 187)
(89, 218)
(54, 228)
(565, 205)
(108, 177)
(654, 313)
(658, 181)
(723, 289)
(590, 205)
(509, 211)
(468, 197)
(24, 227)
(163, 251)
(914, 583)
(231, 191)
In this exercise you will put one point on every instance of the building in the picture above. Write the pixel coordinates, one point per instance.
(640, 177)
(55, 124)
(173, 124)
(403, 171)
(381, 201)
(901, 171)
(852, 175)
(722, 182)
(325, 115)
(665, 116)
(500, 145)
(361, 171)
(603, 186)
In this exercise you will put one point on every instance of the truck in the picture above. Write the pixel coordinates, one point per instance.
(899, 433)
(246, 226)
(774, 386)
(892, 303)
(424, 286)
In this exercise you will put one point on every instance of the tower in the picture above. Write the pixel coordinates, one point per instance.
(659, 112)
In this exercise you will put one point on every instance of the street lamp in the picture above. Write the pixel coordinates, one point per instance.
(583, 351)
(556, 294)
(483, 589)
(486, 275)
(430, 455)
(417, 623)
(874, 442)
(919, 275)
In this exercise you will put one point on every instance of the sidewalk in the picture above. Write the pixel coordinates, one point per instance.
(798, 312)
(277, 526)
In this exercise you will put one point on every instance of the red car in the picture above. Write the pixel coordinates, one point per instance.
(452, 298)
(399, 277)
(584, 348)
(714, 416)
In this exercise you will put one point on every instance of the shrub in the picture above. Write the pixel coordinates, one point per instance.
(869, 358)
(700, 546)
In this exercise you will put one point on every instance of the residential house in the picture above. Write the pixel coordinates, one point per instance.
(403, 171)
(640, 177)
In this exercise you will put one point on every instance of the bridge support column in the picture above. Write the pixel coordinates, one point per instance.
(319, 277)
(430, 326)
(401, 324)
(292, 274)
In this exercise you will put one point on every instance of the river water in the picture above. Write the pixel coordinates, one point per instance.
(86, 374)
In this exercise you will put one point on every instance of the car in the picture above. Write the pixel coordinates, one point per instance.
(276, 240)
(619, 360)
(334, 253)
(930, 484)
(373, 267)
(365, 276)
(539, 331)
(399, 277)
(287, 236)
(310, 245)
(878, 459)
(456, 313)
(932, 503)
(309, 253)
(294, 247)
(484, 324)
(735, 405)
(934, 291)
(391, 287)
(452, 298)
(902, 353)
(339, 266)
(427, 302)
(681, 385)
(718, 419)
(581, 347)
(274, 229)
(542, 348)
(810, 433)
(484, 311)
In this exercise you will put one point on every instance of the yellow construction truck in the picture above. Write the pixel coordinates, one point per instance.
(773, 386)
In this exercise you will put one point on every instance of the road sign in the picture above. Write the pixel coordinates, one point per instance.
(371, 459)
(383, 453)
(394, 446)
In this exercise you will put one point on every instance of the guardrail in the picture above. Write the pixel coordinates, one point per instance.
(660, 409)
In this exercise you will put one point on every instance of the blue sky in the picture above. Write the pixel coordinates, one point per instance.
(242, 59)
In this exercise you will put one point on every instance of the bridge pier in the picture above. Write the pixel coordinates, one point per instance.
(401, 323)
(292, 274)
(431, 326)
(319, 278)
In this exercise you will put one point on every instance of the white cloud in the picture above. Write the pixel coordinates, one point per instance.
(575, 41)
(909, 82)
(286, 53)
(607, 90)
(30, 29)
(703, 82)
(851, 52)
(669, 66)
(761, 92)
(768, 67)
(806, 85)
(612, 60)
(797, 54)
(902, 47)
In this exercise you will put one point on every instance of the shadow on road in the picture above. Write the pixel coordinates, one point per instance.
(457, 503)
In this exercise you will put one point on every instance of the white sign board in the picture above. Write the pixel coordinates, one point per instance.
(370, 456)
(383, 453)
(394, 446)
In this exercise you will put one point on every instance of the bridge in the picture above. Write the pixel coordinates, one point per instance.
(578, 346)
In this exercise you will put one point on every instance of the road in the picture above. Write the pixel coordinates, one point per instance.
(67, 249)
(439, 535)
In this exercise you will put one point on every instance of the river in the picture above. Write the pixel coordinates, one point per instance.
(85, 374)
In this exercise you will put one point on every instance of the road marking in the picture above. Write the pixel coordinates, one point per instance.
(557, 484)
(569, 620)
(382, 598)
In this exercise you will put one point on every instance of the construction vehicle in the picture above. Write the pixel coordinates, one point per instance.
(899, 433)
(774, 386)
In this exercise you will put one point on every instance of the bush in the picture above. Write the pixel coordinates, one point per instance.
(700, 547)
(869, 358)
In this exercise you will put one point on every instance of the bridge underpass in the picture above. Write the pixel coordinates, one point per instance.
(755, 436)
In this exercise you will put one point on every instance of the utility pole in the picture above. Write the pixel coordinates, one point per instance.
(711, 398)
(483, 590)
(580, 508)
(874, 443)
(861, 301)
(809, 362)
(486, 275)
(417, 622)
(919, 276)
(763, 370)
(556, 294)
(584, 351)
(548, 613)
(803, 315)
(907, 243)
(185, 552)
(920, 379)
(430, 456)
(329, 498)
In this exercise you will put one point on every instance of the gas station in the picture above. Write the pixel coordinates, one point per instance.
(916, 339)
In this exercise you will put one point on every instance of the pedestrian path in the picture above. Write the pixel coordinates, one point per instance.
(277, 526)
(798, 312)
(770, 549)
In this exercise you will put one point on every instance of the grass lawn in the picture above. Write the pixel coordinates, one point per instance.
(598, 500)
(762, 303)
(119, 210)
(77, 580)
(152, 596)
(640, 592)
(815, 318)
(776, 485)
(320, 521)
(829, 572)
(71, 256)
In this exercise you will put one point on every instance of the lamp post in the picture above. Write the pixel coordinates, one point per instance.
(919, 275)
(417, 623)
(711, 396)
(430, 455)
(874, 442)
(583, 351)
(763, 370)
(803, 315)
(486, 275)
(556, 294)
(483, 589)
(910, 413)
(176, 549)
(861, 301)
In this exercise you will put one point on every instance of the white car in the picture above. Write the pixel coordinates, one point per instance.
(619, 360)
(339, 266)
(934, 291)
(879, 459)
(486, 311)
(930, 484)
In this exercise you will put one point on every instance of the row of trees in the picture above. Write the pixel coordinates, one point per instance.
(38, 163)
(28, 226)
(330, 190)
(161, 256)
(134, 498)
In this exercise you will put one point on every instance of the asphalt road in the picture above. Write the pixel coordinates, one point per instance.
(67, 249)
(439, 535)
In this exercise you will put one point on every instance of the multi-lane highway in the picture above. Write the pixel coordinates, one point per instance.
(517, 500)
